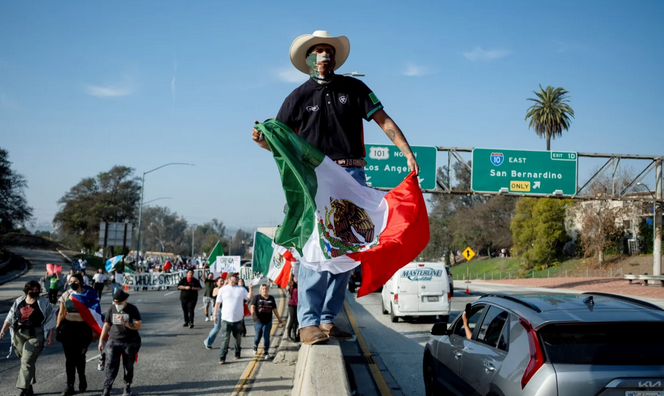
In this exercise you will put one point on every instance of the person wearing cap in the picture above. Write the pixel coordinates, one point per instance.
(327, 111)
(122, 323)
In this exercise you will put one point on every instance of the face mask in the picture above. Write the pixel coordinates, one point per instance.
(33, 294)
(190, 278)
(119, 307)
(74, 286)
(312, 60)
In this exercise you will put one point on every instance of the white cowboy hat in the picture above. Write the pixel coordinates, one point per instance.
(298, 50)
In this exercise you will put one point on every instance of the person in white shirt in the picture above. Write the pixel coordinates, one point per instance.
(83, 263)
(231, 300)
(99, 279)
(117, 281)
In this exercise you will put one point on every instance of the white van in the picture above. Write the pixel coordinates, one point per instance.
(418, 289)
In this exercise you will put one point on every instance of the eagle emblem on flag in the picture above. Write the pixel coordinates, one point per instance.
(340, 236)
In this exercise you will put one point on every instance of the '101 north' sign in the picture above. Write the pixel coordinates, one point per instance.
(524, 171)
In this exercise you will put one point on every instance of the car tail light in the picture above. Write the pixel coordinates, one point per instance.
(536, 356)
(396, 298)
(449, 296)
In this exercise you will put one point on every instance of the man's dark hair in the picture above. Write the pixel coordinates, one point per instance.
(311, 49)
(79, 277)
(29, 285)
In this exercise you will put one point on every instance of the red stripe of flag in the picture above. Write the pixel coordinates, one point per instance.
(405, 236)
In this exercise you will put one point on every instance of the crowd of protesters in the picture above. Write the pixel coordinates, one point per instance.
(35, 321)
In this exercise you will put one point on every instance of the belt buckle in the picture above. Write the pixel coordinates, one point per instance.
(341, 162)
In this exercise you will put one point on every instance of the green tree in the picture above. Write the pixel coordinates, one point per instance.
(538, 230)
(111, 196)
(440, 218)
(550, 114)
(14, 209)
(207, 235)
(240, 243)
(164, 231)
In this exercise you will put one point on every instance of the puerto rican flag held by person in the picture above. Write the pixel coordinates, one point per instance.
(87, 305)
(334, 223)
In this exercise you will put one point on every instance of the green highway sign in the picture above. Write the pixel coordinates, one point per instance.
(524, 171)
(387, 167)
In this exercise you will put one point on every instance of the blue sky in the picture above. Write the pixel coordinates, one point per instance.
(88, 85)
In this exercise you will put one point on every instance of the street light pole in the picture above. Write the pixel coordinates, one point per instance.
(657, 224)
(140, 206)
(193, 231)
(354, 74)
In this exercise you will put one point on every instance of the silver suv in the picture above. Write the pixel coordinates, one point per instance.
(593, 344)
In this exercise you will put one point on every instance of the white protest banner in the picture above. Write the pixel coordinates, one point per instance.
(225, 264)
(158, 279)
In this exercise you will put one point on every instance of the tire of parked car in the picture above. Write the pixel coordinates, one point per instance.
(351, 287)
(429, 374)
(382, 307)
(393, 318)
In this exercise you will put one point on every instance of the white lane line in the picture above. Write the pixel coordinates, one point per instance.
(93, 358)
(169, 293)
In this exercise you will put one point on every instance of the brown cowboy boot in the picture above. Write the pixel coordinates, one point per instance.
(333, 331)
(312, 335)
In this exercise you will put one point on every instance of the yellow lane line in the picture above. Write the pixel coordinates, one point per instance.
(383, 388)
(242, 386)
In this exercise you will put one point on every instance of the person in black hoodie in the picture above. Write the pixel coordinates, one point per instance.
(189, 287)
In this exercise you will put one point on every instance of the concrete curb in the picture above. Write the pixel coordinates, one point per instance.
(321, 371)
(26, 268)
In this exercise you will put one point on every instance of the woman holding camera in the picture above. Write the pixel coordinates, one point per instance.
(31, 320)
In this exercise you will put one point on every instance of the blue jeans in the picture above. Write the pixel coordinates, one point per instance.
(262, 329)
(321, 294)
(215, 330)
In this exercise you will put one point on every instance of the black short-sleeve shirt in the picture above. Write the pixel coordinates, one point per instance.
(189, 295)
(118, 331)
(264, 307)
(329, 116)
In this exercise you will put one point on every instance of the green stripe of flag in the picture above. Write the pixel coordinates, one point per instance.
(296, 159)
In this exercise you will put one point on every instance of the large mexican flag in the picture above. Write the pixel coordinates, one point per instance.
(334, 223)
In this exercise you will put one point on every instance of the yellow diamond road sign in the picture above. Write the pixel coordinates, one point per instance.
(468, 253)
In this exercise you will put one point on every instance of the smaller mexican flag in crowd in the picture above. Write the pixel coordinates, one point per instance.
(336, 224)
(216, 251)
(272, 260)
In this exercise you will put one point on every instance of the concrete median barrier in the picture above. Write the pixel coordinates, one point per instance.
(321, 371)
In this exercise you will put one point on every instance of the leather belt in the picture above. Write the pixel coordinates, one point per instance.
(351, 163)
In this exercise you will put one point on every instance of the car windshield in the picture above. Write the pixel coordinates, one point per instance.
(633, 343)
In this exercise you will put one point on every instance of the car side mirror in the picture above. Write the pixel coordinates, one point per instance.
(439, 329)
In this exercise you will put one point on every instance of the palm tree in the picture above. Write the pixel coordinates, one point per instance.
(550, 114)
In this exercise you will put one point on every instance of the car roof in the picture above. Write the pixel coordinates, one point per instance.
(541, 309)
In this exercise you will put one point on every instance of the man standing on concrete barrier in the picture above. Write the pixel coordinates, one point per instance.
(189, 287)
(231, 300)
(327, 111)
